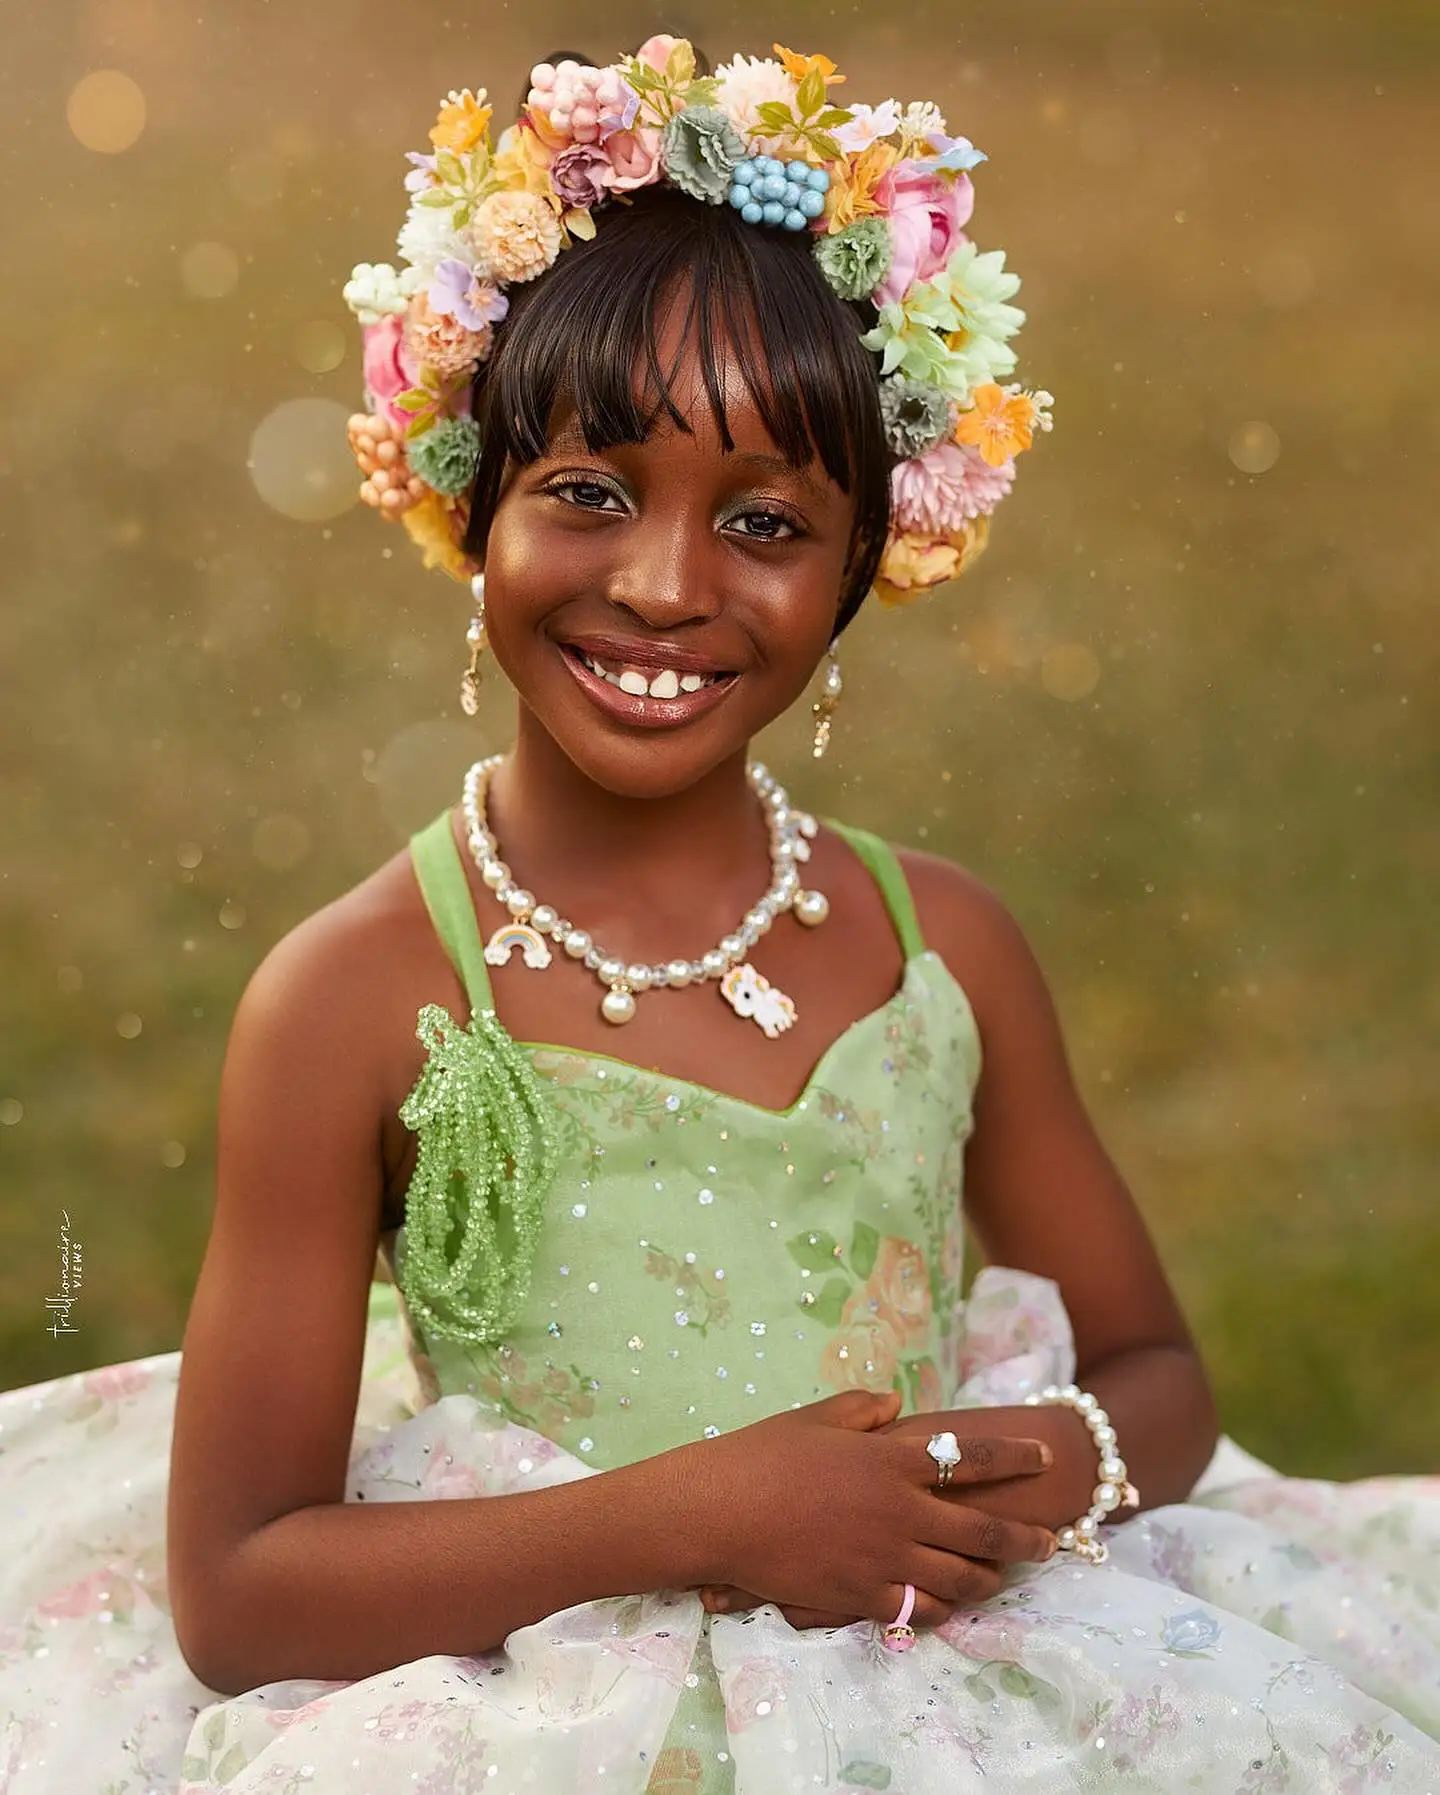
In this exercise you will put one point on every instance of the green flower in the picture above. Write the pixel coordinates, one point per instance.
(917, 415)
(446, 457)
(701, 147)
(855, 261)
(950, 331)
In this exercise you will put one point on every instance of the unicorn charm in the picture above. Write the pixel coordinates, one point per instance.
(750, 993)
(511, 935)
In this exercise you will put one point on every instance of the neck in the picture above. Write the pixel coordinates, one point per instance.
(669, 872)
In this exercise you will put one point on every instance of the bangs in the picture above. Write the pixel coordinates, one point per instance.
(584, 337)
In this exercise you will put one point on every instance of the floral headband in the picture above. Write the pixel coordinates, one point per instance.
(883, 191)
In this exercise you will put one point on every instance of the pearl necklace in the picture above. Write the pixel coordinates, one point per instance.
(745, 990)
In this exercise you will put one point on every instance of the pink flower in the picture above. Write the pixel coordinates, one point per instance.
(111, 1382)
(91, 1595)
(582, 174)
(938, 492)
(655, 51)
(925, 213)
(901, 1284)
(389, 370)
(634, 157)
(753, 1691)
(987, 1638)
(862, 1351)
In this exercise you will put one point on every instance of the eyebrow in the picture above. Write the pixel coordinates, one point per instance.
(570, 436)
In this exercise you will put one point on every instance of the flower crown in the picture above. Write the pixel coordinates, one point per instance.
(883, 190)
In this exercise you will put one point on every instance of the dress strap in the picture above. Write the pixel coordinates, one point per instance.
(886, 870)
(441, 874)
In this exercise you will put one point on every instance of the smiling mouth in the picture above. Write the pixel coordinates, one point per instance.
(638, 681)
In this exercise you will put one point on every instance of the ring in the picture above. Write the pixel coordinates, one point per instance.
(900, 1635)
(945, 1450)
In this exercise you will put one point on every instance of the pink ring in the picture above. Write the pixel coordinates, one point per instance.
(900, 1635)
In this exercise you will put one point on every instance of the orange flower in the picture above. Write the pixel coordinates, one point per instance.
(912, 564)
(798, 67)
(900, 1283)
(863, 1338)
(435, 526)
(853, 182)
(1000, 425)
(463, 122)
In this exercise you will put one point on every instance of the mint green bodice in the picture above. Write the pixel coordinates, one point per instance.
(701, 1261)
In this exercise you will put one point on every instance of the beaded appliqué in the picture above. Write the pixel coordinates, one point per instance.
(750, 993)
(487, 1157)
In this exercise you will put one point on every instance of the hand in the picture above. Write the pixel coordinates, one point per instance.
(828, 1513)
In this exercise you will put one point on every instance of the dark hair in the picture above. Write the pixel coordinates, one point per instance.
(578, 333)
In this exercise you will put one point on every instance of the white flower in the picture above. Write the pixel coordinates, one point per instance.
(375, 291)
(746, 84)
(869, 124)
(428, 238)
(921, 118)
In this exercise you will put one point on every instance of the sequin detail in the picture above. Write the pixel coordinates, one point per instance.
(487, 1158)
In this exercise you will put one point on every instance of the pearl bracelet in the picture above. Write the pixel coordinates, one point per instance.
(1113, 1491)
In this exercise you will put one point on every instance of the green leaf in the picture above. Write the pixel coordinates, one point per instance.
(214, 1729)
(416, 399)
(449, 167)
(835, 115)
(831, 1301)
(865, 1773)
(826, 145)
(815, 1250)
(192, 1768)
(680, 63)
(436, 196)
(230, 1765)
(863, 1248)
(979, 1688)
(775, 114)
(703, 92)
(811, 97)
(1018, 1683)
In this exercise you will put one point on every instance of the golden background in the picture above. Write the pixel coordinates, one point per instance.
(1182, 714)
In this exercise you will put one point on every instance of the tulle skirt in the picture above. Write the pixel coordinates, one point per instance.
(1268, 1635)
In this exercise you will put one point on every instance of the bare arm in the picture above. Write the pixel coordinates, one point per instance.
(272, 1574)
(1044, 1196)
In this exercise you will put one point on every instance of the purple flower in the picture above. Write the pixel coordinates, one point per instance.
(462, 293)
(581, 175)
(424, 173)
(619, 116)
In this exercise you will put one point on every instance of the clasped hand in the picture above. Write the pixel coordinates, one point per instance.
(839, 1508)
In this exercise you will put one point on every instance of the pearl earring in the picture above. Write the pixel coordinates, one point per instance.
(825, 705)
(475, 636)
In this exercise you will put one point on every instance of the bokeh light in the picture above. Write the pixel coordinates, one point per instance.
(106, 111)
(210, 270)
(1255, 447)
(301, 462)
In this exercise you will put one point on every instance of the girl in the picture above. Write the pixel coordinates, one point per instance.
(739, 1494)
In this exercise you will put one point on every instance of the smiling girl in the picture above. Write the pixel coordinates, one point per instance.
(659, 1099)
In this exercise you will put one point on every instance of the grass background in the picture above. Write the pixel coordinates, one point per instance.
(1182, 715)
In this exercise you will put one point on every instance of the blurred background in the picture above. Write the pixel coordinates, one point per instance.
(1182, 715)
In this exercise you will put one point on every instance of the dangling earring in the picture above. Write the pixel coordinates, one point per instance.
(826, 704)
(475, 636)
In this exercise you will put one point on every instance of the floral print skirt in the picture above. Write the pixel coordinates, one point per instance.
(1269, 1635)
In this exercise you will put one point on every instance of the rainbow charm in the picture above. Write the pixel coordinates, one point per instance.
(511, 935)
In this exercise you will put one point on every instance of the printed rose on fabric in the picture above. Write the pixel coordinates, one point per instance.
(862, 1353)
(390, 368)
(447, 1480)
(926, 214)
(901, 1284)
(669, 1654)
(1192, 1633)
(753, 1690)
(988, 1638)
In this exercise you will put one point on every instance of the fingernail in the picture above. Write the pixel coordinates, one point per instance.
(1047, 1457)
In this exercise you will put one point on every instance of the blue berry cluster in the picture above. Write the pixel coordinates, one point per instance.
(765, 190)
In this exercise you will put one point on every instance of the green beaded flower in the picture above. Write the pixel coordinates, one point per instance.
(855, 261)
(487, 1158)
(700, 148)
(447, 456)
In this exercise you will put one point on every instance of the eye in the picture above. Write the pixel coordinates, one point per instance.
(588, 494)
(766, 526)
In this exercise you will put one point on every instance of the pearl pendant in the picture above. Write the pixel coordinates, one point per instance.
(811, 908)
(618, 1006)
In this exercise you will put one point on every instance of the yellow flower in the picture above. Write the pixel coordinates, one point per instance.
(913, 563)
(999, 426)
(798, 67)
(435, 525)
(853, 181)
(463, 122)
(523, 164)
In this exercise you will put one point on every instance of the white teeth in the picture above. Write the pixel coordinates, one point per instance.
(690, 682)
(635, 684)
(665, 685)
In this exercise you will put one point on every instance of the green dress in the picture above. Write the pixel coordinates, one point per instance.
(704, 1261)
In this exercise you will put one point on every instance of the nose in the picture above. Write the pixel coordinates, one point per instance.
(663, 576)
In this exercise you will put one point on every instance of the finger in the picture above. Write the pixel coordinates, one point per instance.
(981, 1460)
(862, 1410)
(804, 1619)
(973, 1533)
(729, 1601)
(962, 1582)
